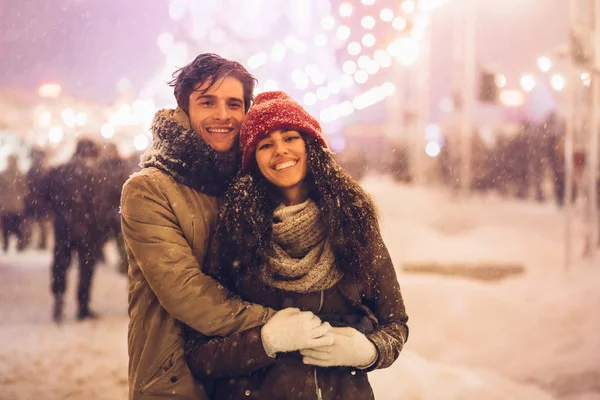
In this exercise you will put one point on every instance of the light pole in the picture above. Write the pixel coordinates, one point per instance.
(592, 153)
(569, 133)
(465, 30)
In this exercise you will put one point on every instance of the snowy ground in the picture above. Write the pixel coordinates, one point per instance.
(529, 337)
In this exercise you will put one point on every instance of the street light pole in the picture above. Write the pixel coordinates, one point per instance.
(467, 91)
(592, 154)
(569, 133)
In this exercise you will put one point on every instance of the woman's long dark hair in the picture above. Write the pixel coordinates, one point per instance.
(244, 230)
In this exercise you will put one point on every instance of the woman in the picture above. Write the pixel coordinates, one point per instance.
(297, 231)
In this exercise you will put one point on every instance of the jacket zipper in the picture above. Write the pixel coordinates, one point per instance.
(318, 389)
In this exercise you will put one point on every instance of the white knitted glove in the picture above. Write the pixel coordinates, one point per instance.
(291, 329)
(350, 348)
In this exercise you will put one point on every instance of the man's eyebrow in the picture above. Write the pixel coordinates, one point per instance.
(211, 97)
(204, 96)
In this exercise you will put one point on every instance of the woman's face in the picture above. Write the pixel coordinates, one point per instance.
(281, 158)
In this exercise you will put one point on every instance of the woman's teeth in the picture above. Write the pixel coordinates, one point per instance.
(287, 164)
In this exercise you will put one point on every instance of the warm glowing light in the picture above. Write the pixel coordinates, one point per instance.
(55, 134)
(512, 98)
(586, 78)
(367, 22)
(558, 82)
(408, 6)
(50, 90)
(354, 48)
(382, 58)
(527, 83)
(388, 89)
(349, 67)
(432, 149)
(81, 119)
(346, 9)
(361, 76)
(322, 93)
(107, 131)
(404, 50)
(399, 23)
(45, 119)
(368, 2)
(368, 40)
(372, 67)
(141, 142)
(68, 117)
(544, 64)
(386, 15)
(343, 32)
(363, 61)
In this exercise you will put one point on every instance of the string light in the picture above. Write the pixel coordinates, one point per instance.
(367, 22)
(386, 15)
(345, 9)
(368, 40)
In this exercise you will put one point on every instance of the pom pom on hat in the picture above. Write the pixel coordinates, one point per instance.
(273, 111)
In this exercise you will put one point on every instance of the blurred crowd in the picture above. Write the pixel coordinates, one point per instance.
(72, 208)
(529, 163)
(30, 200)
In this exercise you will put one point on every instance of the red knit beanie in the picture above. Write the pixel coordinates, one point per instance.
(273, 111)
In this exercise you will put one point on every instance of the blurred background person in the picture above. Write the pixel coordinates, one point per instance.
(37, 209)
(12, 204)
(75, 197)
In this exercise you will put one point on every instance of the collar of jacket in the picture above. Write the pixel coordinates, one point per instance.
(183, 154)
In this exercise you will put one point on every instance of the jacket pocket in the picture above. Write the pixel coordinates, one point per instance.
(170, 376)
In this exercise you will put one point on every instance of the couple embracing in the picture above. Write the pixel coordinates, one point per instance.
(256, 265)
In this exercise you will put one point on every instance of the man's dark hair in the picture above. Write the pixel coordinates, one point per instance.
(209, 68)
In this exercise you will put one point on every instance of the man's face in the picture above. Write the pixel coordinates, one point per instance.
(216, 114)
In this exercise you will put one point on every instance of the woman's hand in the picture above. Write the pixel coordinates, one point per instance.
(291, 329)
(350, 348)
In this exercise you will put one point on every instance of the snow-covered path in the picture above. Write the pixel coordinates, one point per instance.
(529, 337)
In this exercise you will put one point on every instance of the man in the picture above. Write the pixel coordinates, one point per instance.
(168, 211)
(12, 205)
(72, 192)
(37, 211)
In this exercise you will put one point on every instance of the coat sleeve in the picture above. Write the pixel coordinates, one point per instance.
(156, 242)
(386, 302)
(225, 357)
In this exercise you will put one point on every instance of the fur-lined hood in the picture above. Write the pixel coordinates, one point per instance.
(182, 153)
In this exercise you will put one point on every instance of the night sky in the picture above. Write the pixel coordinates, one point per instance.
(88, 45)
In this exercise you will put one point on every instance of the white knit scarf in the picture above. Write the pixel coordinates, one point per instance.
(302, 259)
